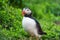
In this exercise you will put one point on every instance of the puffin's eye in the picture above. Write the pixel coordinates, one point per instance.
(27, 10)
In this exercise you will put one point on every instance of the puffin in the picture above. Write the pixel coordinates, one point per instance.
(31, 25)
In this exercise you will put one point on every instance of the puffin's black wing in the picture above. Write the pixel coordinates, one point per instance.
(38, 27)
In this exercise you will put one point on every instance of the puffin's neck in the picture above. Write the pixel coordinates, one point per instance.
(28, 15)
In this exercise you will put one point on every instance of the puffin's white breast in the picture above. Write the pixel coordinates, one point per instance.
(28, 24)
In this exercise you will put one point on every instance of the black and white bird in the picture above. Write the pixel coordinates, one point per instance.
(30, 24)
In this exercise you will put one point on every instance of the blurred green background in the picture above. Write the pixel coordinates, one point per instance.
(47, 12)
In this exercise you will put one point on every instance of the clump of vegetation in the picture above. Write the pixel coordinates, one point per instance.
(46, 12)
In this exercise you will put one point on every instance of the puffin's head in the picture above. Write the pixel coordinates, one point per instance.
(26, 11)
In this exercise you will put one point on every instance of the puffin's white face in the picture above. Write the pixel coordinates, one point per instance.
(26, 11)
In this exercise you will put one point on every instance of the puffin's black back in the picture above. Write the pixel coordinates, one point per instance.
(38, 27)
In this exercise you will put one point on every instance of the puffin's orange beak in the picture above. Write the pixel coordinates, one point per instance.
(23, 13)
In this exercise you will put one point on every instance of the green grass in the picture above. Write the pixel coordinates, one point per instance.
(46, 12)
